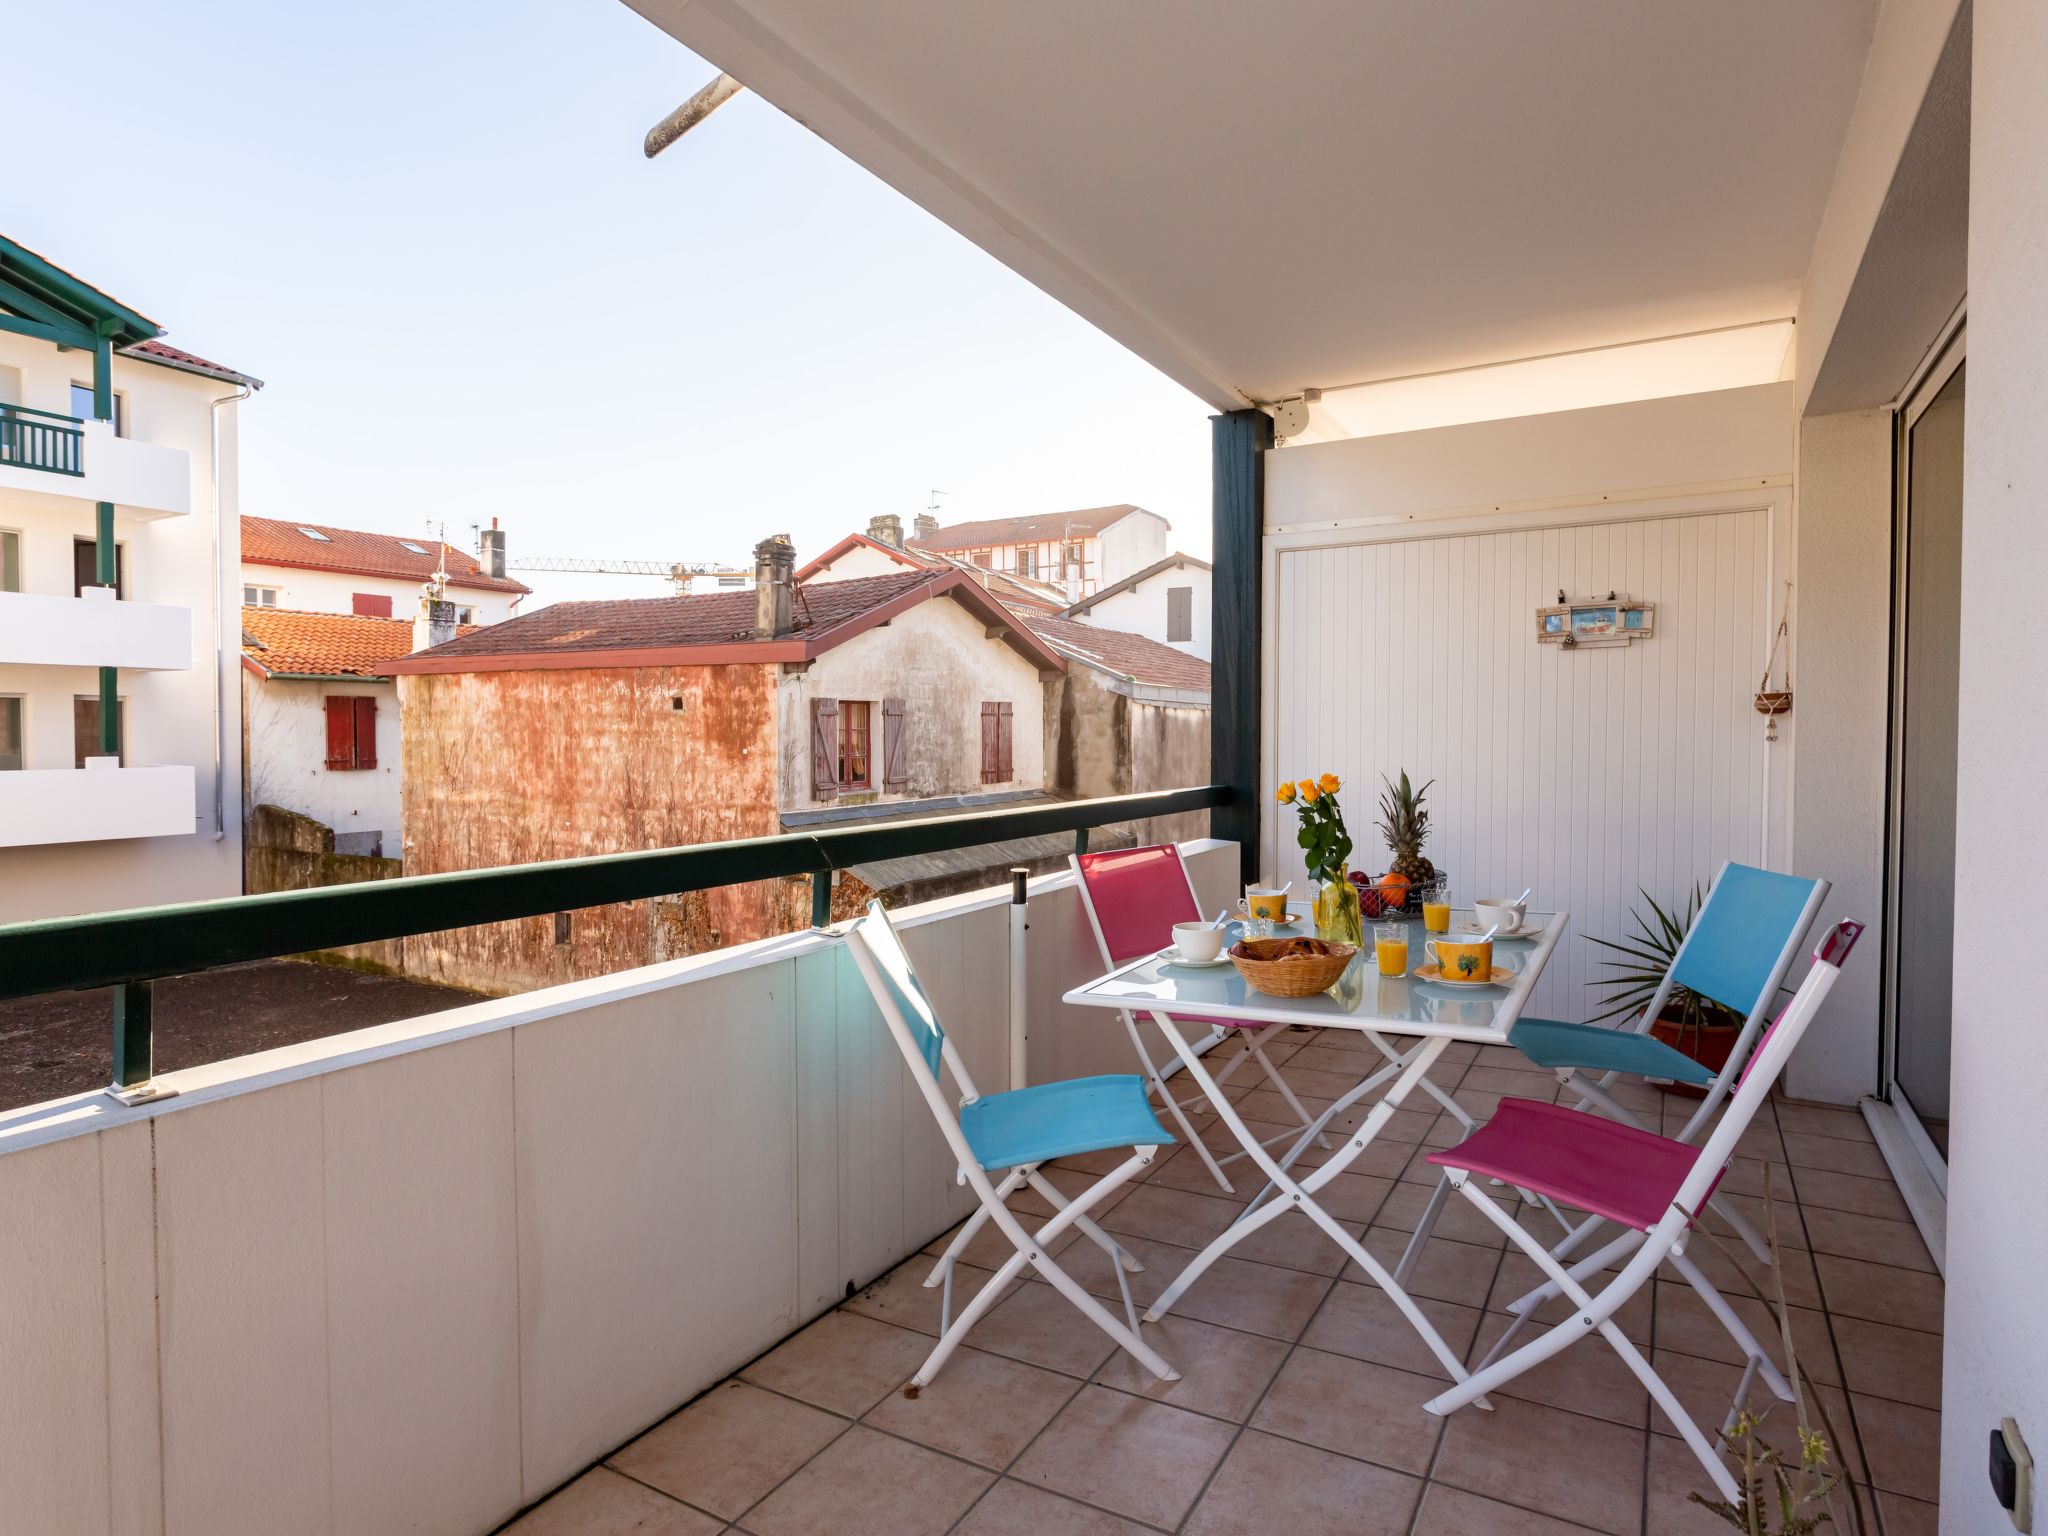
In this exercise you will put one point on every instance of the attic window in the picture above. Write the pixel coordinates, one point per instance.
(402, 544)
(316, 536)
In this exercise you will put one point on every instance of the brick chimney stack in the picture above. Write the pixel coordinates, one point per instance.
(926, 525)
(435, 622)
(886, 529)
(490, 550)
(774, 576)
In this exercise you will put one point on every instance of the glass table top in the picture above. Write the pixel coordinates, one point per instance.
(1361, 998)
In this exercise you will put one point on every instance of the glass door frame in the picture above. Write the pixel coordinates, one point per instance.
(1916, 1162)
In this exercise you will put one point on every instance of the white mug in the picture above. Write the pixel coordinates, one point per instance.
(1198, 941)
(1509, 914)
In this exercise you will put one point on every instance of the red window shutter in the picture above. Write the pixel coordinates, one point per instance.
(824, 749)
(895, 777)
(341, 733)
(366, 731)
(1005, 768)
(371, 605)
(991, 754)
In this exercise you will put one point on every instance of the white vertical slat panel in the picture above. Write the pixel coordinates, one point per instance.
(1587, 774)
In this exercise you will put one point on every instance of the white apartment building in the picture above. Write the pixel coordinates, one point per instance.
(106, 431)
(1078, 551)
(1167, 601)
(313, 568)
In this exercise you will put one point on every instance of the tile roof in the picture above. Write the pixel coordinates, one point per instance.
(1172, 562)
(189, 362)
(283, 642)
(1042, 528)
(273, 541)
(1021, 592)
(1125, 654)
(853, 541)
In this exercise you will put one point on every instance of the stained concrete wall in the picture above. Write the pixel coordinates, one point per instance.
(1100, 741)
(284, 737)
(284, 851)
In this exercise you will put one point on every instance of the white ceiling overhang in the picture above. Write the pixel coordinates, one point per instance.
(1262, 199)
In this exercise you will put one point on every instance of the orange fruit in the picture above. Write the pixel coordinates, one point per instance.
(1395, 886)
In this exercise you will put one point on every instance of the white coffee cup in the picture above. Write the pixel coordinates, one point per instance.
(1509, 914)
(1198, 941)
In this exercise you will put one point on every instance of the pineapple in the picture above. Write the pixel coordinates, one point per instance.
(1405, 825)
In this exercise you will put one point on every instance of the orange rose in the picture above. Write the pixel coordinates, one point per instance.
(1284, 794)
(1309, 793)
(1330, 783)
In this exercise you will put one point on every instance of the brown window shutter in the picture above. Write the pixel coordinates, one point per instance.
(895, 777)
(1005, 768)
(366, 732)
(991, 755)
(370, 605)
(1180, 613)
(824, 749)
(341, 733)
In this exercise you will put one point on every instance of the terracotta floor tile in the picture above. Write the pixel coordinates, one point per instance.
(1459, 1220)
(1900, 1363)
(1174, 1215)
(1257, 1298)
(1184, 1169)
(602, 1503)
(1588, 1377)
(1743, 1275)
(1884, 1293)
(1851, 1192)
(1293, 1241)
(1823, 1120)
(1543, 1458)
(843, 1362)
(728, 1448)
(1307, 1080)
(1791, 1229)
(1264, 1104)
(1448, 1511)
(983, 1408)
(1685, 1324)
(900, 1297)
(989, 1248)
(1353, 1197)
(1267, 1484)
(1223, 1371)
(1519, 1276)
(1363, 1322)
(1706, 1388)
(1674, 1474)
(1867, 1237)
(869, 1484)
(1039, 1326)
(1012, 1508)
(1446, 1270)
(1524, 1082)
(1121, 1453)
(1908, 1517)
(1092, 1270)
(1355, 1408)
(1835, 1153)
(1903, 1446)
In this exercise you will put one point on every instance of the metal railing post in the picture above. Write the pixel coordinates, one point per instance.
(134, 1045)
(1020, 995)
(821, 898)
(1080, 841)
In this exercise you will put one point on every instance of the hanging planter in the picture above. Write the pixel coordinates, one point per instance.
(1773, 702)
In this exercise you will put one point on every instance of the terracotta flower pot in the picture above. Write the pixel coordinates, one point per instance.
(1707, 1044)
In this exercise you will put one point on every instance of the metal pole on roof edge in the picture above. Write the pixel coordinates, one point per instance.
(1238, 443)
(1020, 998)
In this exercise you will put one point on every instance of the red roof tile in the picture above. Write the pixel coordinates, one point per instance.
(175, 357)
(1044, 528)
(1128, 655)
(272, 541)
(282, 642)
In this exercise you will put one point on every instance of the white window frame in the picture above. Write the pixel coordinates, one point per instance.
(20, 703)
(259, 600)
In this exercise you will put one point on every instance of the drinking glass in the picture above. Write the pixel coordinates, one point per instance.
(1390, 948)
(1436, 907)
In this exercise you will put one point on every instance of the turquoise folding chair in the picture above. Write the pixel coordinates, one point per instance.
(1013, 1133)
(1736, 953)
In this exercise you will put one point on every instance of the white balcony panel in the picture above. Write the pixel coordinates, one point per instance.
(94, 629)
(41, 806)
(142, 479)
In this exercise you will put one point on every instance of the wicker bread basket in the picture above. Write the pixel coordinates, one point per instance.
(1290, 967)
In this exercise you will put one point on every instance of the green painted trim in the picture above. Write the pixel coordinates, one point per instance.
(108, 948)
(28, 280)
(134, 1036)
(105, 559)
(821, 899)
(102, 379)
(60, 335)
(1238, 443)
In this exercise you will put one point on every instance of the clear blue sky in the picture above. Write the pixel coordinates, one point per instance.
(430, 229)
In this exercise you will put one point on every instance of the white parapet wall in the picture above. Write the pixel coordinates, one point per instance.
(96, 803)
(417, 1276)
(93, 629)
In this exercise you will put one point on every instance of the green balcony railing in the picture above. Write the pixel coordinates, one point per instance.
(128, 950)
(41, 440)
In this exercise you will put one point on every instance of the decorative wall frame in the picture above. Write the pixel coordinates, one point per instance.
(1615, 619)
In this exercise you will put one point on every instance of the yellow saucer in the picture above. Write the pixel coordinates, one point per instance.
(1501, 977)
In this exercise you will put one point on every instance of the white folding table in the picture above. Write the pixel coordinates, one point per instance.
(1382, 1009)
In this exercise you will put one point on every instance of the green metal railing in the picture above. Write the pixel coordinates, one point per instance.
(41, 440)
(128, 950)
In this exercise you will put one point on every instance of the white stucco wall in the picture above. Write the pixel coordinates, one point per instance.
(286, 723)
(173, 717)
(938, 659)
(1996, 1346)
(1127, 547)
(1142, 609)
(333, 592)
(859, 561)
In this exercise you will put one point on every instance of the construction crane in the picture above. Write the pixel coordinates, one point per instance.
(680, 573)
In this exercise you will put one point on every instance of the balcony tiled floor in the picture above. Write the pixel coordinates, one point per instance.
(1300, 1404)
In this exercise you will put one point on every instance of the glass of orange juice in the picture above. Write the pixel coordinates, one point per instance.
(1436, 907)
(1390, 948)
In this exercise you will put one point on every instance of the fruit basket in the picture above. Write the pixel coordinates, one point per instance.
(1290, 967)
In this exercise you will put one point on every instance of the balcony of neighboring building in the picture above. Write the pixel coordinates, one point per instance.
(93, 629)
(101, 801)
(45, 453)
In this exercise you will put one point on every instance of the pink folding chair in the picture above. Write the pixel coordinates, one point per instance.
(1653, 1187)
(1133, 897)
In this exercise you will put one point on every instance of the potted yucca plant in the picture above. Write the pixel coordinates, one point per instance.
(1697, 1026)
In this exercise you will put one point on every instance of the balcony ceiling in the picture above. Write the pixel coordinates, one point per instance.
(1258, 199)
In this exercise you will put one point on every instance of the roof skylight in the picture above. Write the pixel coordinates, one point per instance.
(316, 536)
(408, 544)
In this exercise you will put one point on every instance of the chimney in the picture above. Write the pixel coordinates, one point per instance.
(886, 529)
(926, 525)
(490, 550)
(774, 568)
(435, 622)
